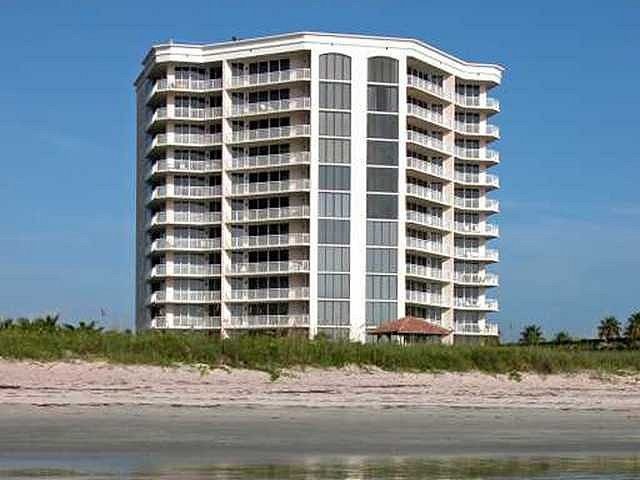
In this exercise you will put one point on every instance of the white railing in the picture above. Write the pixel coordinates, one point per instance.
(270, 187)
(482, 203)
(185, 244)
(269, 267)
(428, 115)
(427, 272)
(271, 240)
(485, 179)
(270, 213)
(209, 113)
(488, 254)
(164, 191)
(186, 217)
(188, 84)
(486, 278)
(426, 167)
(476, 228)
(270, 133)
(427, 245)
(267, 321)
(427, 193)
(270, 293)
(477, 129)
(185, 269)
(195, 296)
(196, 139)
(477, 154)
(476, 328)
(426, 219)
(477, 101)
(428, 141)
(428, 86)
(486, 304)
(271, 106)
(196, 322)
(271, 160)
(174, 164)
(271, 77)
(426, 298)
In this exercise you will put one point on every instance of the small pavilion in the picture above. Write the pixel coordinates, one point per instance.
(410, 330)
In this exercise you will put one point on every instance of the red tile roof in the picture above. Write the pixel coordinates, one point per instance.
(410, 325)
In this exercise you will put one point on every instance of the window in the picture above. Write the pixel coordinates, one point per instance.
(383, 70)
(335, 95)
(334, 66)
(331, 285)
(339, 334)
(381, 287)
(335, 204)
(382, 206)
(381, 98)
(333, 259)
(380, 312)
(335, 150)
(336, 124)
(382, 153)
(335, 178)
(334, 231)
(382, 233)
(382, 179)
(382, 126)
(333, 313)
(382, 260)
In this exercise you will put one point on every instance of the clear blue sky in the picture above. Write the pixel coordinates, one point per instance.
(570, 170)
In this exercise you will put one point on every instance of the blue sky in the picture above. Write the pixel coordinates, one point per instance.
(570, 173)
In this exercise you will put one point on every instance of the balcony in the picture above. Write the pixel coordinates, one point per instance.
(277, 160)
(292, 266)
(270, 240)
(195, 244)
(486, 255)
(167, 165)
(184, 139)
(478, 129)
(480, 154)
(296, 293)
(427, 220)
(188, 218)
(427, 246)
(485, 103)
(184, 270)
(196, 323)
(181, 191)
(263, 214)
(273, 106)
(479, 328)
(428, 116)
(283, 186)
(429, 142)
(482, 204)
(424, 193)
(480, 179)
(430, 273)
(482, 229)
(484, 279)
(187, 85)
(428, 87)
(268, 321)
(275, 133)
(426, 298)
(185, 296)
(429, 168)
(479, 304)
(268, 78)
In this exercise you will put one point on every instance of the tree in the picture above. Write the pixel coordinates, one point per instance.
(632, 332)
(562, 337)
(84, 327)
(609, 328)
(531, 335)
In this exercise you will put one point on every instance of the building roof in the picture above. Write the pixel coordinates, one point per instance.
(410, 325)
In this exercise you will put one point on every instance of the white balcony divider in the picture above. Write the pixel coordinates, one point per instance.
(270, 160)
(428, 141)
(426, 219)
(428, 86)
(428, 115)
(255, 108)
(269, 267)
(427, 193)
(270, 293)
(270, 187)
(270, 133)
(270, 213)
(426, 167)
(267, 321)
(271, 77)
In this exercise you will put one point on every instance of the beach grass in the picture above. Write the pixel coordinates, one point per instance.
(273, 354)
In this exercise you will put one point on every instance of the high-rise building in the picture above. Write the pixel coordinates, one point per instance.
(315, 182)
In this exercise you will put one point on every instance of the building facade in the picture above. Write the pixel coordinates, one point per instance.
(315, 183)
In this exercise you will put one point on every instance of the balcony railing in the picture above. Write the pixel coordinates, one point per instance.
(191, 139)
(270, 133)
(195, 218)
(428, 86)
(484, 154)
(488, 254)
(271, 160)
(166, 191)
(271, 77)
(487, 304)
(174, 164)
(477, 228)
(427, 193)
(428, 115)
(300, 103)
(185, 244)
(270, 240)
(185, 269)
(426, 219)
(270, 187)
(486, 278)
(426, 167)
(484, 179)
(210, 113)
(269, 267)
(477, 101)
(428, 141)
(426, 298)
(164, 84)
(268, 321)
(270, 213)
(485, 129)
(271, 294)
(482, 203)
(427, 245)
(426, 272)
(486, 328)
(196, 322)
(185, 296)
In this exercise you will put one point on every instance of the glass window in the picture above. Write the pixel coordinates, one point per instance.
(332, 285)
(381, 98)
(382, 233)
(335, 204)
(383, 70)
(334, 231)
(381, 287)
(333, 313)
(382, 206)
(382, 153)
(335, 150)
(382, 179)
(334, 66)
(380, 312)
(382, 126)
(382, 260)
(335, 95)
(333, 259)
(336, 124)
(335, 178)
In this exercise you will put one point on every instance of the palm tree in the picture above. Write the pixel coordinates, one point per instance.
(609, 328)
(562, 337)
(531, 335)
(632, 332)
(84, 326)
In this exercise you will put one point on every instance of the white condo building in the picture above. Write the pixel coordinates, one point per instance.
(315, 182)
